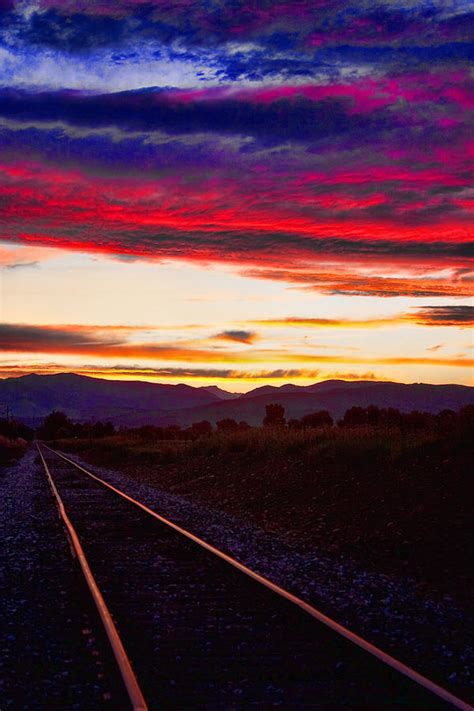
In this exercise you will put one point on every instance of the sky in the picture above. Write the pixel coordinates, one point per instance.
(237, 193)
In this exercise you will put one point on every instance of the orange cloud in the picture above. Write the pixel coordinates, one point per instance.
(328, 322)
(23, 338)
(459, 316)
(357, 284)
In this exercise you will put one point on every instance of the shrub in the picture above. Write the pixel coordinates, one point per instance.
(227, 425)
(275, 416)
(322, 418)
(201, 429)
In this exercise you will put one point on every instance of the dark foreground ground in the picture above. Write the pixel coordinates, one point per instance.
(374, 527)
(53, 655)
(401, 503)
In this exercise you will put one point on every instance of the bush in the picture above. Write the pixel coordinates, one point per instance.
(322, 418)
(275, 416)
(227, 425)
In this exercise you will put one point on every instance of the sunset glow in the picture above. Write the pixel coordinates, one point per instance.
(236, 194)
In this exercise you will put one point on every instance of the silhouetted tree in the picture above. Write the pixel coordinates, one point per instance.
(417, 420)
(466, 414)
(201, 429)
(244, 426)
(446, 418)
(322, 418)
(55, 425)
(172, 432)
(373, 415)
(353, 417)
(275, 416)
(393, 417)
(227, 425)
(15, 428)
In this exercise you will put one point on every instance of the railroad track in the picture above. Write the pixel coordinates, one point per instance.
(191, 628)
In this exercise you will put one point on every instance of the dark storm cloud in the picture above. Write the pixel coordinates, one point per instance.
(297, 120)
(280, 25)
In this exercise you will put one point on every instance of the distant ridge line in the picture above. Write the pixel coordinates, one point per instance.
(135, 403)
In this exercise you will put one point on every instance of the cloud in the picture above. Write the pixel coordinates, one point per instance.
(373, 169)
(308, 114)
(461, 316)
(436, 347)
(282, 137)
(17, 256)
(31, 338)
(293, 321)
(137, 372)
(199, 373)
(359, 284)
(87, 341)
(344, 375)
(278, 27)
(22, 265)
(247, 337)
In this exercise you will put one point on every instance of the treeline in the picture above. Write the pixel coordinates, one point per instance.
(387, 417)
(58, 426)
(14, 429)
(14, 438)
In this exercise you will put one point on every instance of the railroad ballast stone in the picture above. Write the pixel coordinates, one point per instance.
(49, 658)
(432, 634)
(169, 595)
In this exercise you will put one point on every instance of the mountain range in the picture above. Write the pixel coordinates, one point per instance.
(134, 403)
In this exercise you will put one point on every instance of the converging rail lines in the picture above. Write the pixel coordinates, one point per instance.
(192, 628)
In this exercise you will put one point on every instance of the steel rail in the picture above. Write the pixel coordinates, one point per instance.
(384, 657)
(135, 694)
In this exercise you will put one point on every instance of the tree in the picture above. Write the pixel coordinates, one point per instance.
(55, 425)
(275, 416)
(13, 429)
(322, 418)
(201, 429)
(416, 420)
(466, 414)
(446, 419)
(227, 425)
(393, 417)
(353, 417)
(374, 415)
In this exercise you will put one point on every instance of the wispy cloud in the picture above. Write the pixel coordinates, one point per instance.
(355, 283)
(459, 316)
(23, 338)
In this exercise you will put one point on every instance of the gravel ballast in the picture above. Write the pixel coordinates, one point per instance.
(429, 633)
(44, 634)
(53, 654)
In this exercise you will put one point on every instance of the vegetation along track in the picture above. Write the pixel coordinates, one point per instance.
(199, 630)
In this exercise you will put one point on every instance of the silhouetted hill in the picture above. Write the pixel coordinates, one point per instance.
(32, 397)
(314, 388)
(336, 397)
(221, 394)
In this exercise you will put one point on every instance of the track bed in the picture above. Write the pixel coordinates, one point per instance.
(201, 634)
